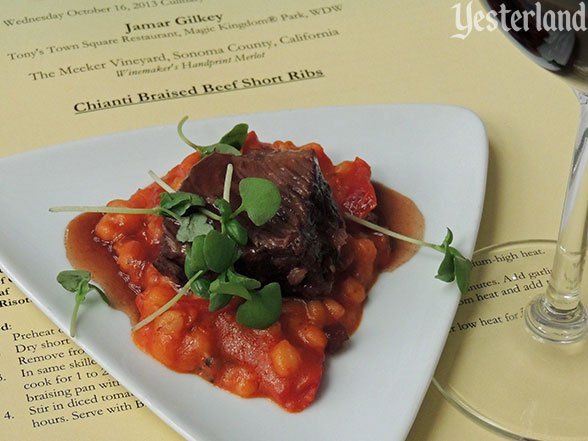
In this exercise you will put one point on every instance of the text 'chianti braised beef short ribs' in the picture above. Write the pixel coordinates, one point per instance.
(298, 248)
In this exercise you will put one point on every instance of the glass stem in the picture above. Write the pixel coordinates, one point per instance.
(557, 314)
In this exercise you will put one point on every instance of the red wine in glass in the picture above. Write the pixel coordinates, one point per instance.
(552, 33)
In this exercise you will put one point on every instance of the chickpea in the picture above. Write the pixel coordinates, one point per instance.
(313, 336)
(171, 322)
(128, 223)
(196, 347)
(285, 358)
(156, 297)
(240, 380)
(107, 230)
(153, 229)
(131, 254)
(316, 311)
(335, 309)
(353, 291)
(151, 276)
(167, 329)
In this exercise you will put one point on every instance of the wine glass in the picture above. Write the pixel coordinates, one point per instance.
(516, 358)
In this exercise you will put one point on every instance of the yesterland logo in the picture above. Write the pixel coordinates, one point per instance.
(466, 20)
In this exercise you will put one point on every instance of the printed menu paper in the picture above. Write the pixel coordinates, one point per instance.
(74, 71)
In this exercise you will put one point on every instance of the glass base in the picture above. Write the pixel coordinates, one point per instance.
(496, 370)
(554, 325)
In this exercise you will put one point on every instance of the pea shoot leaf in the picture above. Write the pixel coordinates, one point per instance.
(72, 279)
(454, 265)
(463, 269)
(230, 143)
(78, 281)
(195, 260)
(226, 149)
(218, 301)
(192, 226)
(247, 282)
(448, 238)
(201, 287)
(205, 150)
(233, 288)
(260, 198)
(263, 309)
(179, 202)
(446, 271)
(223, 207)
(237, 232)
(236, 136)
(220, 251)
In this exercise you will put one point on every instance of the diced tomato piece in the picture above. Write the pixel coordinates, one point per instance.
(252, 142)
(353, 191)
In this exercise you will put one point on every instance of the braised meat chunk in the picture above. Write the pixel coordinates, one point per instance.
(298, 248)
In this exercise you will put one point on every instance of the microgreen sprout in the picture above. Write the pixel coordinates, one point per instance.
(454, 265)
(260, 198)
(160, 182)
(230, 143)
(174, 205)
(78, 281)
(227, 186)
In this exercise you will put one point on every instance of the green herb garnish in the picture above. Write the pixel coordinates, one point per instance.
(260, 199)
(192, 226)
(213, 251)
(177, 203)
(219, 251)
(454, 265)
(230, 143)
(78, 281)
(260, 310)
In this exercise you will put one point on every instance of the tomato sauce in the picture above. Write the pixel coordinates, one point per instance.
(283, 362)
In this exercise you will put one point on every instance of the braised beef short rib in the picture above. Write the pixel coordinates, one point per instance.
(298, 248)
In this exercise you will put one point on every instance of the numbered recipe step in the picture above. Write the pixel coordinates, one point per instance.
(58, 382)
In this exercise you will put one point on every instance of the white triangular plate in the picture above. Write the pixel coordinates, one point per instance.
(435, 154)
